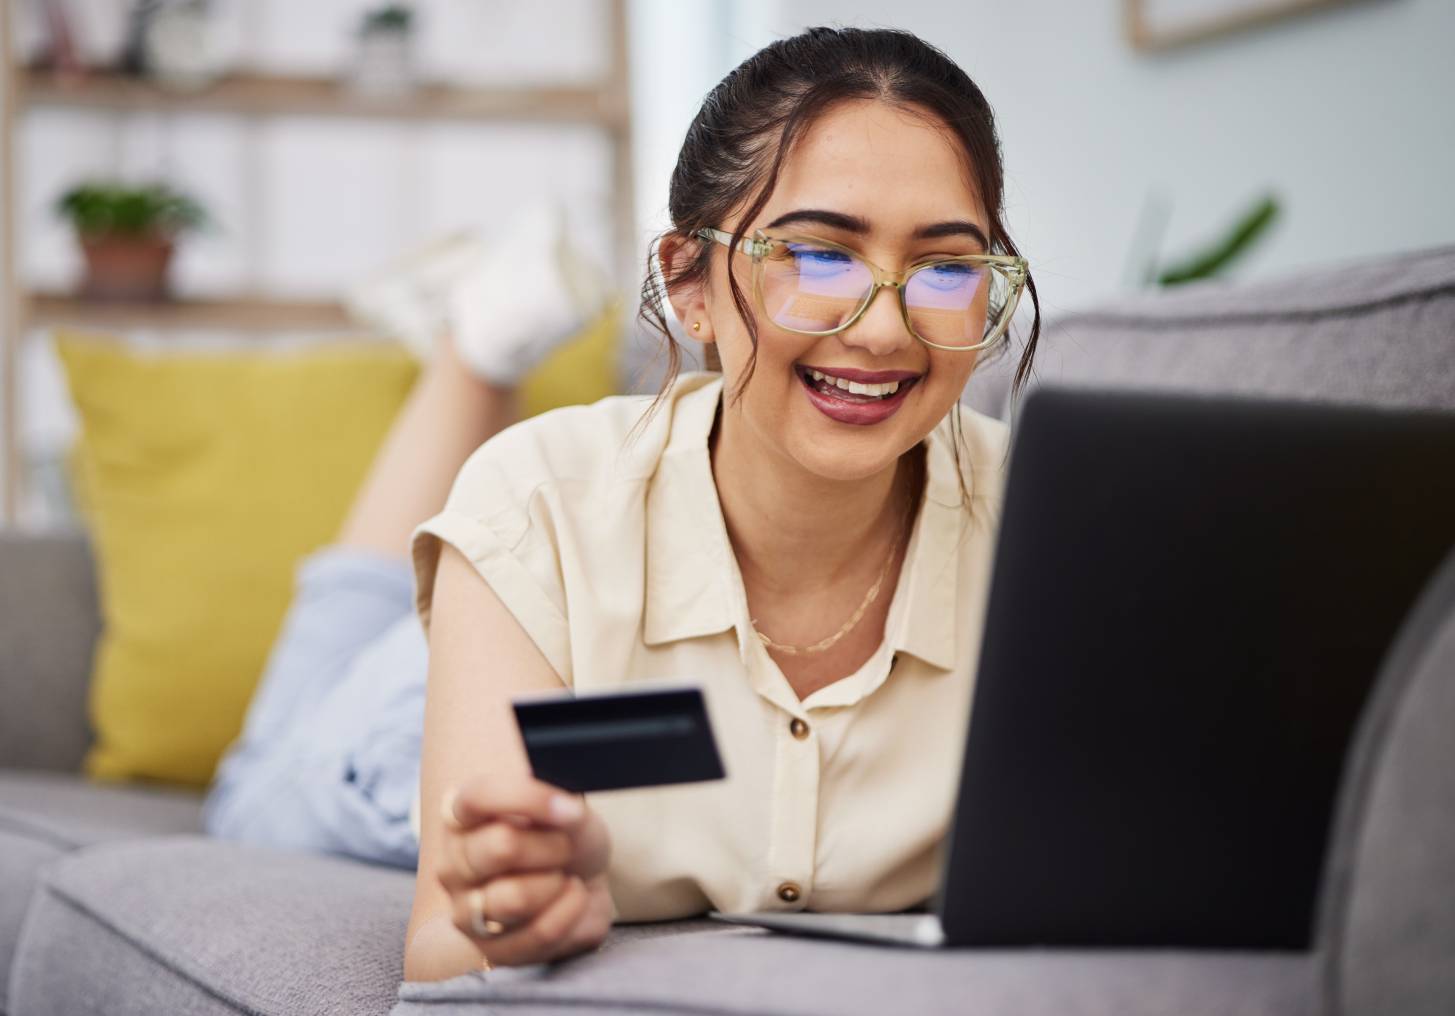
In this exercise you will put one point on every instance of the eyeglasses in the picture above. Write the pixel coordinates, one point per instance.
(817, 287)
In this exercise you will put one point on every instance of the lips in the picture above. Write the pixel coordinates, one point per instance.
(857, 397)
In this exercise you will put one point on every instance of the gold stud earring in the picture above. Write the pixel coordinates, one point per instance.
(697, 326)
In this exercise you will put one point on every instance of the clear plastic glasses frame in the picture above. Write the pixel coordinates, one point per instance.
(1011, 268)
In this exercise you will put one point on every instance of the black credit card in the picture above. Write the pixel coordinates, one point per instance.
(620, 739)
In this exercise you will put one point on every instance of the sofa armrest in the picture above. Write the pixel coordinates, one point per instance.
(49, 622)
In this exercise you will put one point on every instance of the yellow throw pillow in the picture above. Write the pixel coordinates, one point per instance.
(203, 479)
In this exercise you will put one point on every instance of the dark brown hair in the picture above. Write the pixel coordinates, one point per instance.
(736, 146)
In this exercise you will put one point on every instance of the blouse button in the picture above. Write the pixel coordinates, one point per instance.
(789, 892)
(798, 728)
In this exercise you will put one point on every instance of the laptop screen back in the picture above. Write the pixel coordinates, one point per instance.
(1190, 599)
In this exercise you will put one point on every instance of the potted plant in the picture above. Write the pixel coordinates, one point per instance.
(127, 235)
(384, 65)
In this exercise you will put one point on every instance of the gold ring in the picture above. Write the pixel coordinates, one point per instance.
(482, 926)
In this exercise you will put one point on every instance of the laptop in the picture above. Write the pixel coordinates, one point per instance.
(1190, 599)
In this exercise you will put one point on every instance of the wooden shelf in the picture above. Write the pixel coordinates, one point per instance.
(259, 94)
(601, 104)
(243, 313)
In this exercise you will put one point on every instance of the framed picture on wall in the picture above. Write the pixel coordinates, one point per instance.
(1167, 24)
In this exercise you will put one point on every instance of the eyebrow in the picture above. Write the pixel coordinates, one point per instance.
(855, 224)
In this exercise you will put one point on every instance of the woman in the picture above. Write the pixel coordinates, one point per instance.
(807, 536)
(328, 759)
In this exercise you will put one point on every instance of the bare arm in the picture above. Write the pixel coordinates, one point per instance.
(479, 659)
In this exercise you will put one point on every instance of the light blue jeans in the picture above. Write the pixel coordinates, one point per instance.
(328, 759)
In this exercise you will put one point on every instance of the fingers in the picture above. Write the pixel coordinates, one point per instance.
(499, 848)
(592, 926)
(593, 846)
(509, 901)
(484, 799)
(516, 900)
(524, 864)
(544, 937)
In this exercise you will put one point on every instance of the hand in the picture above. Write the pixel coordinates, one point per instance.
(525, 865)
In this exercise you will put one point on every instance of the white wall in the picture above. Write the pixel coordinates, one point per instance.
(1346, 114)
(681, 49)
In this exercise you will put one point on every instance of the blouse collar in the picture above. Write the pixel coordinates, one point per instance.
(693, 588)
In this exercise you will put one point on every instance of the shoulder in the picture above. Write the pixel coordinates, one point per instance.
(552, 503)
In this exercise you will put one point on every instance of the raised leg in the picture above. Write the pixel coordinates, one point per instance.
(447, 416)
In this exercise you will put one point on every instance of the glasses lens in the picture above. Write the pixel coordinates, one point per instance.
(956, 303)
(807, 288)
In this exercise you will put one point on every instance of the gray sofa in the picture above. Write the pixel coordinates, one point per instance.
(112, 901)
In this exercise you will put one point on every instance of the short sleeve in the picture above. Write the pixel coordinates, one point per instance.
(499, 516)
(549, 512)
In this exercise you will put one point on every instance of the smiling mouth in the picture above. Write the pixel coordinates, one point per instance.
(853, 391)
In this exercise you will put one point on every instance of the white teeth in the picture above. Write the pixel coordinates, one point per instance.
(854, 387)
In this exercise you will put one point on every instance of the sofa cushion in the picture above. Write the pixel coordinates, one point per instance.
(743, 970)
(1389, 909)
(21, 860)
(203, 476)
(48, 626)
(195, 925)
(45, 815)
(68, 810)
(1370, 333)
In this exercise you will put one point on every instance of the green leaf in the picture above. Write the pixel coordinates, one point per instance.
(1239, 240)
(110, 208)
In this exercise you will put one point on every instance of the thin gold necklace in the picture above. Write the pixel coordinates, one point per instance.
(824, 645)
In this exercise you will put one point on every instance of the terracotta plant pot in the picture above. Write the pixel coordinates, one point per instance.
(121, 267)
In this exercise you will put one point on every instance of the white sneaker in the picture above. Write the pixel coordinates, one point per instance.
(507, 303)
(409, 298)
(531, 290)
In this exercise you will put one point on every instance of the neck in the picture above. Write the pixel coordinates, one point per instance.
(794, 532)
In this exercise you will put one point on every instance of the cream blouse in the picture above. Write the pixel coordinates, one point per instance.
(613, 555)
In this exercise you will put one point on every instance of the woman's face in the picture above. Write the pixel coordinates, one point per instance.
(894, 187)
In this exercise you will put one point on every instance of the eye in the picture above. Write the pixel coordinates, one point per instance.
(949, 276)
(820, 261)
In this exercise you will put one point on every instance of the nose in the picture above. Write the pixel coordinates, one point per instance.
(880, 330)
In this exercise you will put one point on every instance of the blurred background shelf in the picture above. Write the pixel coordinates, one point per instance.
(240, 313)
(271, 95)
(599, 103)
